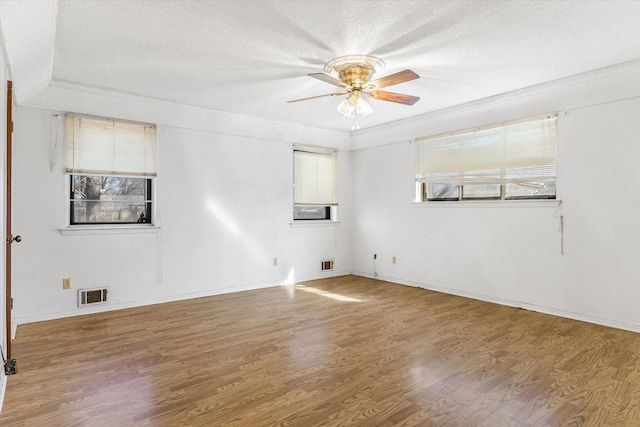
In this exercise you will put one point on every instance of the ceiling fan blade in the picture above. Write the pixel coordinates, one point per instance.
(393, 97)
(394, 79)
(318, 96)
(328, 79)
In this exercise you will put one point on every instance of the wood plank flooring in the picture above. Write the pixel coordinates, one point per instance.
(333, 352)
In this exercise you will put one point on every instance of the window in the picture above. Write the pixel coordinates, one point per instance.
(102, 199)
(315, 183)
(111, 167)
(516, 160)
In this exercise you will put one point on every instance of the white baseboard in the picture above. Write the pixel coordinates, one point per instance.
(518, 304)
(101, 308)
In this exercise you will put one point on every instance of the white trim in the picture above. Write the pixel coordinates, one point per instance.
(314, 149)
(633, 327)
(81, 230)
(596, 87)
(600, 73)
(67, 215)
(312, 223)
(74, 85)
(501, 204)
(535, 118)
(100, 308)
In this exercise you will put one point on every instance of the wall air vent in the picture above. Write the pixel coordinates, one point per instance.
(92, 296)
(327, 264)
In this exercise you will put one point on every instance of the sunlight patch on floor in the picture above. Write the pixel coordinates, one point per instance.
(327, 294)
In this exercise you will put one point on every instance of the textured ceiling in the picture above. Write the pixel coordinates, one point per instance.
(250, 57)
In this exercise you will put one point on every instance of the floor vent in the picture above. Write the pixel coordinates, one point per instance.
(92, 296)
(326, 264)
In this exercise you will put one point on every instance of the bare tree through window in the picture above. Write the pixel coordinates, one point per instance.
(110, 199)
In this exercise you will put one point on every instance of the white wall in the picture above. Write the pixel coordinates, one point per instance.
(509, 252)
(224, 206)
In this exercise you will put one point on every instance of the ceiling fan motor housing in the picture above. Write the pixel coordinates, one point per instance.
(355, 70)
(353, 74)
(356, 76)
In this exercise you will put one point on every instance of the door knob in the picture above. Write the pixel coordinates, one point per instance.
(11, 239)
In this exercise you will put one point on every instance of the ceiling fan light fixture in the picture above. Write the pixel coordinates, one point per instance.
(355, 105)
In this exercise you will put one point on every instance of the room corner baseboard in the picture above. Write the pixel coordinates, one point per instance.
(100, 308)
(632, 327)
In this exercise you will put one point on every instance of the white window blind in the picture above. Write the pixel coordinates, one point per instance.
(109, 147)
(517, 152)
(315, 176)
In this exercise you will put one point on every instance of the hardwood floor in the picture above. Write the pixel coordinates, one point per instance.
(333, 352)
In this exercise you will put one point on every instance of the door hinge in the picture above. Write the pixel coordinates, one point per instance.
(11, 303)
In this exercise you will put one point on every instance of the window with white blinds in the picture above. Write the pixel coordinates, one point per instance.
(109, 147)
(315, 177)
(111, 166)
(513, 160)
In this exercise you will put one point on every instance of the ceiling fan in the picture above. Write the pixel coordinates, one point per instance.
(354, 74)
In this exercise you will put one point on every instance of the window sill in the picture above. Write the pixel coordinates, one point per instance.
(82, 230)
(312, 223)
(498, 204)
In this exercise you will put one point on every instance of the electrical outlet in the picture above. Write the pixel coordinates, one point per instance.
(375, 256)
(275, 262)
(393, 260)
(66, 283)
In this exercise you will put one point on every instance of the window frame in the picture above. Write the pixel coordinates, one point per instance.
(431, 170)
(329, 207)
(149, 203)
(140, 163)
(423, 196)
